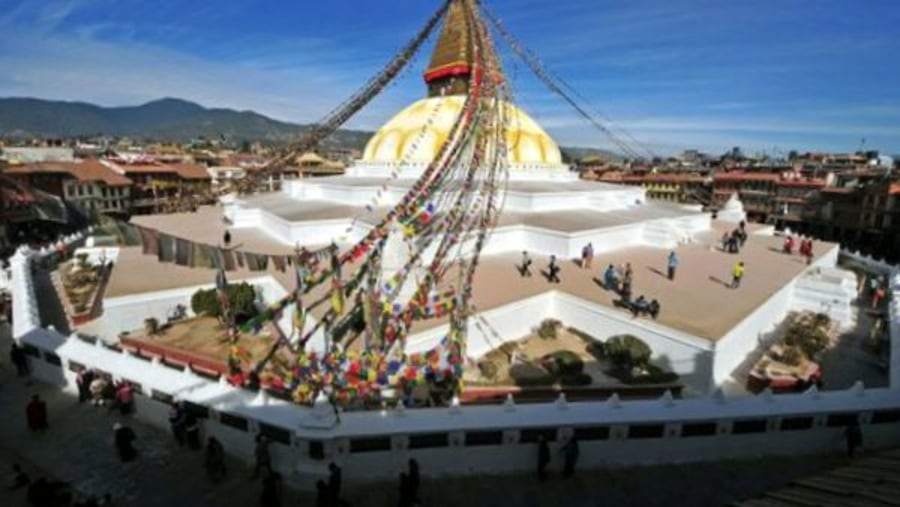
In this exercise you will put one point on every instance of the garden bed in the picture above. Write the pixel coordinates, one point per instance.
(790, 363)
(80, 286)
(564, 359)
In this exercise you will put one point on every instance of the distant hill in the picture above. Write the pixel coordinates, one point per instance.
(165, 119)
(574, 153)
(175, 120)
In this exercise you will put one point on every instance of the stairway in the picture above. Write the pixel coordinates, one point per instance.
(830, 291)
(663, 234)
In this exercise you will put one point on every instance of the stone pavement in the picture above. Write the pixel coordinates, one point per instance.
(78, 449)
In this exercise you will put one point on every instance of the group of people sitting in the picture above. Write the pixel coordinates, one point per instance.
(733, 242)
(102, 391)
(619, 280)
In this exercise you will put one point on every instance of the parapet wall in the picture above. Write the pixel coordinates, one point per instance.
(470, 439)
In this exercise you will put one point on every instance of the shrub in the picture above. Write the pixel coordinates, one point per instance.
(576, 379)
(654, 375)
(488, 369)
(792, 356)
(822, 320)
(562, 363)
(548, 329)
(151, 326)
(530, 375)
(241, 297)
(806, 336)
(627, 351)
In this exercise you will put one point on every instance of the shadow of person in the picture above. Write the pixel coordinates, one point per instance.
(657, 271)
(545, 274)
(719, 281)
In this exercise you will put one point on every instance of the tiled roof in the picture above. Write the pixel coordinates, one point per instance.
(186, 171)
(744, 176)
(87, 170)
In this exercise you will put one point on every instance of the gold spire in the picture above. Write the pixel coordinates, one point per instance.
(451, 62)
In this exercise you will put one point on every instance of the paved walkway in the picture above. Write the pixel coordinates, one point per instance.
(78, 449)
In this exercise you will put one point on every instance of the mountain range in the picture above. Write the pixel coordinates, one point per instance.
(169, 119)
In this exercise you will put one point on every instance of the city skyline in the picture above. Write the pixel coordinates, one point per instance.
(705, 76)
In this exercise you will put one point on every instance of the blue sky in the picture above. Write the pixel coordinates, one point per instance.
(762, 74)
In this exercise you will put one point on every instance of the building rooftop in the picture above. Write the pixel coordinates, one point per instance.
(701, 282)
(85, 171)
(186, 171)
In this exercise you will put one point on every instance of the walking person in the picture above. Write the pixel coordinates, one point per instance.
(176, 422)
(226, 238)
(406, 496)
(543, 457)
(262, 456)
(83, 380)
(334, 483)
(570, 456)
(19, 359)
(36, 414)
(672, 264)
(123, 438)
(192, 431)
(125, 398)
(414, 479)
(322, 497)
(737, 274)
(271, 492)
(215, 460)
(525, 268)
(553, 270)
(853, 436)
(587, 256)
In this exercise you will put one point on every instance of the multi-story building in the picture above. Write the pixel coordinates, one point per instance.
(756, 190)
(88, 184)
(162, 187)
(792, 198)
(675, 187)
(865, 217)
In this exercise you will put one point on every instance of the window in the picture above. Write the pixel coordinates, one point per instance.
(484, 437)
(370, 444)
(592, 433)
(52, 358)
(885, 416)
(275, 433)
(796, 423)
(161, 396)
(646, 431)
(703, 429)
(235, 421)
(749, 426)
(531, 435)
(426, 440)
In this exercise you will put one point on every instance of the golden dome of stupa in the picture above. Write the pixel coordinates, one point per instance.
(409, 137)
(416, 134)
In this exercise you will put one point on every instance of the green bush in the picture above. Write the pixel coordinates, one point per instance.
(548, 329)
(241, 297)
(562, 362)
(627, 351)
(531, 375)
(576, 379)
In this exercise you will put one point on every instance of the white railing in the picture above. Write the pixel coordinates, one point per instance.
(482, 439)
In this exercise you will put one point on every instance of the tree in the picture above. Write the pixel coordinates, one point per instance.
(628, 351)
(241, 299)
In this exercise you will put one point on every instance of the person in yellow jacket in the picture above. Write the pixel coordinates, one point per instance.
(736, 275)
